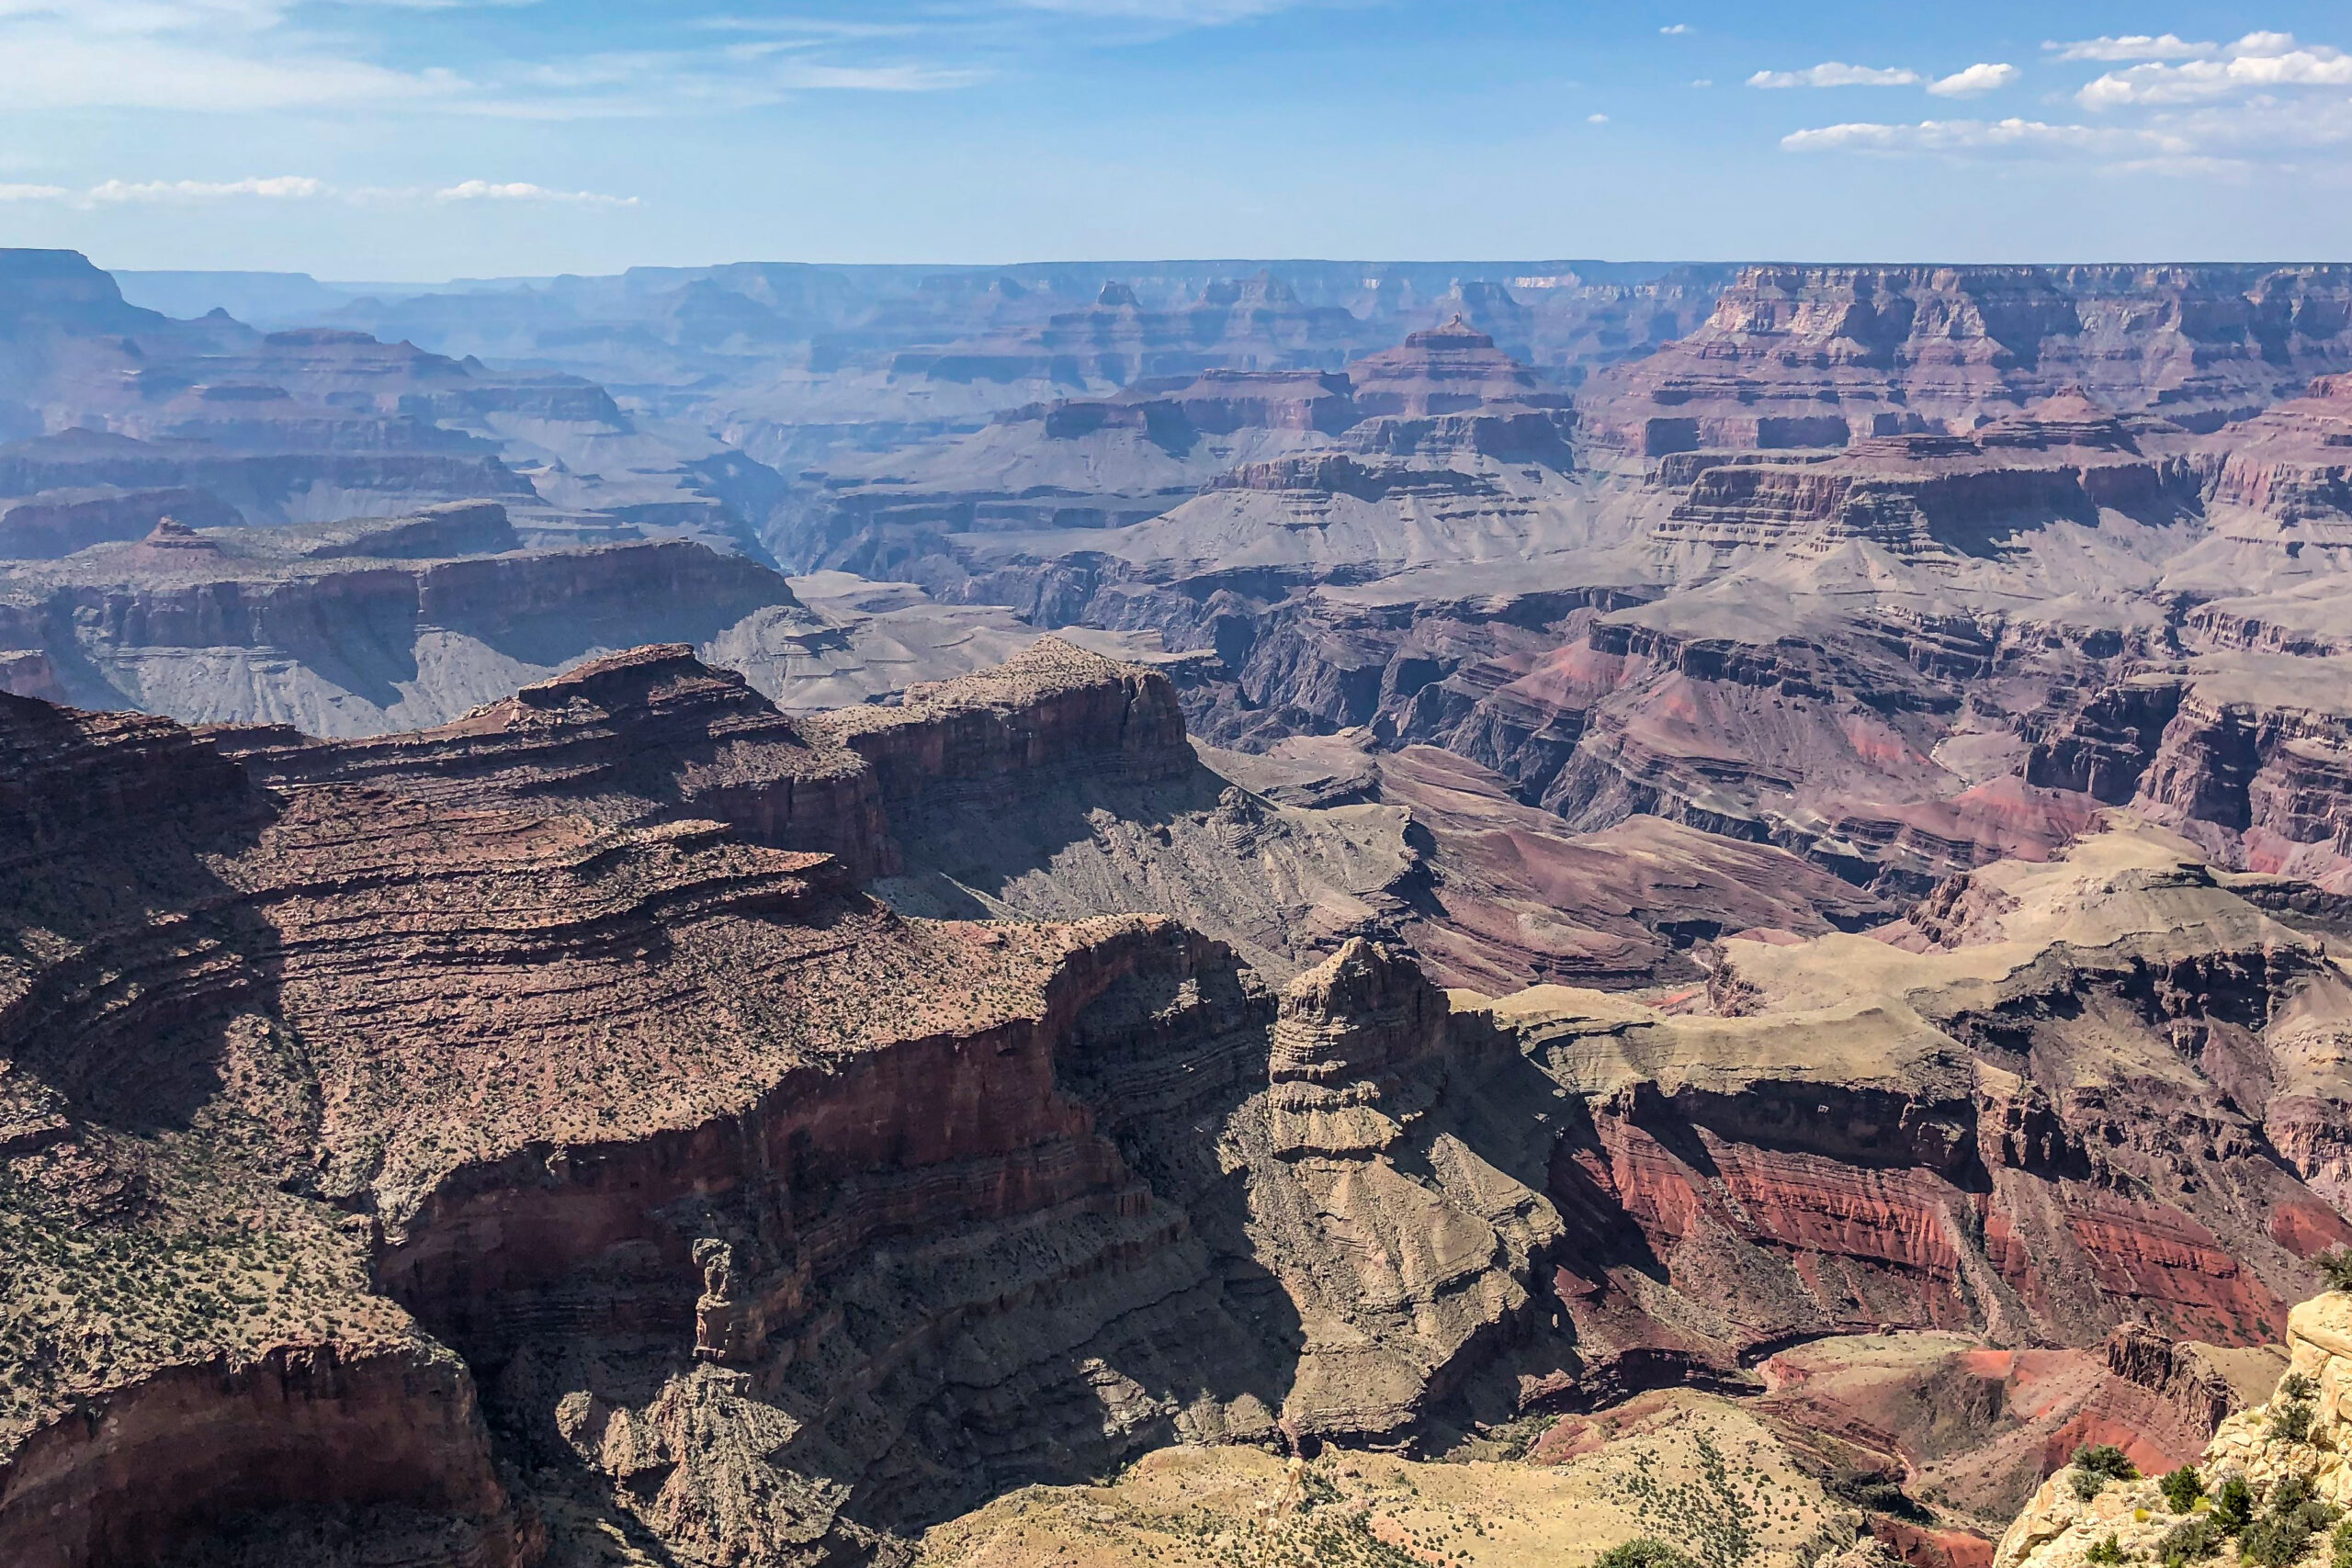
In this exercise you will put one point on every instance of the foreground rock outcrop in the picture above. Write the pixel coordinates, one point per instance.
(2285, 1453)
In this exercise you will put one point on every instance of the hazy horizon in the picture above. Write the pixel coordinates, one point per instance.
(474, 139)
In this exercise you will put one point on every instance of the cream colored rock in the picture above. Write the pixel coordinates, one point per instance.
(2057, 1530)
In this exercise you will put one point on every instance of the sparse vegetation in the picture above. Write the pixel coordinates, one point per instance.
(2108, 1550)
(2233, 1506)
(2291, 1409)
(2182, 1487)
(1645, 1551)
(2106, 1459)
(2334, 1267)
(2284, 1531)
(2191, 1540)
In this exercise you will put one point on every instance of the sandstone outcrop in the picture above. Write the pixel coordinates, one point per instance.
(2290, 1441)
(826, 1209)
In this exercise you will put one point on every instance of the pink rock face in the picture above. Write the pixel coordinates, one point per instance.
(1819, 356)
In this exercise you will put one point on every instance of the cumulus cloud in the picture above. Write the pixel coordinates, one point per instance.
(2134, 45)
(1835, 73)
(33, 193)
(1596, 120)
(1976, 79)
(489, 190)
(2257, 62)
(1675, 29)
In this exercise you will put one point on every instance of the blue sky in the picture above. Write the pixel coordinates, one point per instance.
(426, 139)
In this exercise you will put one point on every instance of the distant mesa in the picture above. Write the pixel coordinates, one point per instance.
(173, 541)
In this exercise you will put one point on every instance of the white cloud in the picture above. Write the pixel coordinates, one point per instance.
(488, 190)
(277, 187)
(2013, 136)
(32, 193)
(1596, 120)
(1835, 73)
(2256, 63)
(1975, 80)
(1676, 29)
(1702, 81)
(2134, 45)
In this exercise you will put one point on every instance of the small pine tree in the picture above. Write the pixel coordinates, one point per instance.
(2335, 1266)
(2234, 1506)
(2182, 1487)
(2106, 1459)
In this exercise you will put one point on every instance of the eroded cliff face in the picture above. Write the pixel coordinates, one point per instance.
(1953, 1138)
(359, 628)
(1816, 356)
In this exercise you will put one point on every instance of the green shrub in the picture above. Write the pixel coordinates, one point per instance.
(1644, 1552)
(2108, 1550)
(2234, 1506)
(2191, 1540)
(2284, 1531)
(2339, 1546)
(2290, 1409)
(2106, 1459)
(2087, 1484)
(2335, 1266)
(2182, 1487)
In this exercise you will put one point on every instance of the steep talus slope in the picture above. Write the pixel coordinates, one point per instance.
(768, 1219)
(1285, 856)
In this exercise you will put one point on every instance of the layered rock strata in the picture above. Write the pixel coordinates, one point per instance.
(1820, 356)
